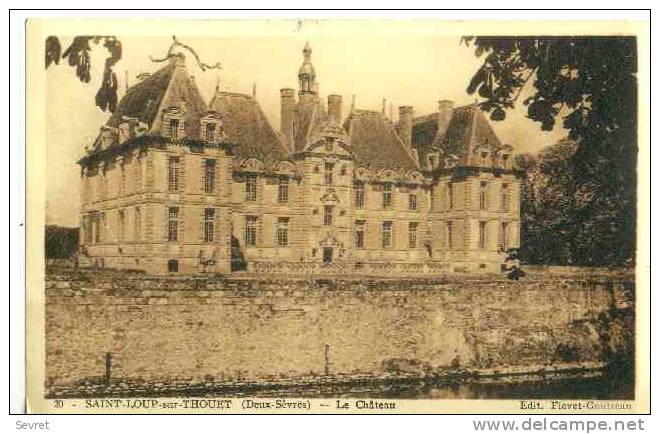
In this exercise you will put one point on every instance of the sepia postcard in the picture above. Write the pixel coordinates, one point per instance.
(336, 216)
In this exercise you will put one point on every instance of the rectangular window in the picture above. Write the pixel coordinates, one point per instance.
(483, 192)
(450, 195)
(482, 235)
(210, 132)
(250, 231)
(139, 172)
(123, 178)
(412, 202)
(387, 196)
(137, 221)
(412, 235)
(359, 195)
(504, 238)
(359, 234)
(100, 226)
(174, 129)
(283, 190)
(431, 201)
(328, 173)
(87, 229)
(173, 224)
(120, 225)
(327, 215)
(104, 184)
(387, 235)
(209, 176)
(504, 198)
(173, 173)
(282, 232)
(209, 224)
(450, 235)
(251, 188)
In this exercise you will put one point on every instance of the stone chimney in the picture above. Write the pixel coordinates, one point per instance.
(445, 108)
(405, 124)
(287, 100)
(334, 108)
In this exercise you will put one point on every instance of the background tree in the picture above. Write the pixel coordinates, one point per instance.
(78, 56)
(60, 242)
(590, 83)
(546, 205)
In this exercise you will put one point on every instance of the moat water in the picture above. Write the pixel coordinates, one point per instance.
(575, 388)
(601, 387)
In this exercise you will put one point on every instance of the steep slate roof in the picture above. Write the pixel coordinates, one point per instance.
(375, 143)
(170, 86)
(308, 117)
(247, 128)
(143, 99)
(465, 128)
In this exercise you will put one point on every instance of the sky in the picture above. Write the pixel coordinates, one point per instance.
(406, 63)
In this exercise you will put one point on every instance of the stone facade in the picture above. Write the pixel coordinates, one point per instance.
(173, 185)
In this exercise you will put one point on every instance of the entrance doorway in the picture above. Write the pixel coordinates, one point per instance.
(327, 255)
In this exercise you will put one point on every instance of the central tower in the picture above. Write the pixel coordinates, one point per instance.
(306, 75)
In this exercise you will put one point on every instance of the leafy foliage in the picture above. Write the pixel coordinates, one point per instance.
(78, 56)
(60, 242)
(590, 83)
(555, 228)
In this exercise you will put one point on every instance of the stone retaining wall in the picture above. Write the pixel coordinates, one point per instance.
(201, 329)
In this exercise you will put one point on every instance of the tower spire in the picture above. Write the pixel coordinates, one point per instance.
(306, 74)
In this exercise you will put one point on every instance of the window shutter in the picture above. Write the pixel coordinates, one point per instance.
(166, 222)
(202, 225)
(275, 230)
(219, 173)
(202, 185)
(217, 230)
(489, 195)
(182, 173)
(182, 224)
(260, 225)
(182, 129)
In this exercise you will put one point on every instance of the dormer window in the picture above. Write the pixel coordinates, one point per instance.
(210, 127)
(505, 161)
(174, 129)
(128, 129)
(484, 157)
(432, 159)
(173, 121)
(210, 132)
(107, 137)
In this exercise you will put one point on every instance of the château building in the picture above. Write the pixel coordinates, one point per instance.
(175, 185)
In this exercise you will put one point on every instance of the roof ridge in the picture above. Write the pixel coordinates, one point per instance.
(239, 94)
